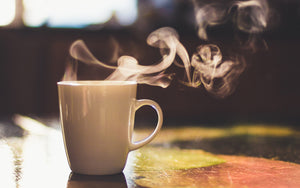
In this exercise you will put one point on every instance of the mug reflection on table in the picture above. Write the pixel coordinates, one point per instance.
(84, 181)
(97, 119)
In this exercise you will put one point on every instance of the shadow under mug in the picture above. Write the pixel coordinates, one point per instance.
(97, 119)
(86, 181)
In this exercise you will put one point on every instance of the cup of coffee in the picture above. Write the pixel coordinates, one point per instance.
(97, 120)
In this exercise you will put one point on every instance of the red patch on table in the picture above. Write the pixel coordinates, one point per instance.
(249, 172)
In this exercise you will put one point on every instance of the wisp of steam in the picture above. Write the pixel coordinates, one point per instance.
(218, 76)
(206, 66)
(250, 16)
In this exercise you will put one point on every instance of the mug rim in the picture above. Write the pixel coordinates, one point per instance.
(95, 82)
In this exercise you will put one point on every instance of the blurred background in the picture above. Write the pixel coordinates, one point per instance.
(35, 36)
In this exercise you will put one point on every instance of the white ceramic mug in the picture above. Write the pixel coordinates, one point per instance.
(97, 119)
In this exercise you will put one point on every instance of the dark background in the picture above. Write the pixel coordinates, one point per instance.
(32, 60)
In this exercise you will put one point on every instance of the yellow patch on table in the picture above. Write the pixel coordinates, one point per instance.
(155, 159)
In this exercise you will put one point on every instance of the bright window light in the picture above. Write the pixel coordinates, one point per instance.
(7, 11)
(78, 13)
(126, 11)
(35, 12)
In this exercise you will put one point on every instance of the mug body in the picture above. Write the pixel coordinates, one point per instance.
(96, 118)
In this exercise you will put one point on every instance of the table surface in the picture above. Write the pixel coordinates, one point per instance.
(240, 155)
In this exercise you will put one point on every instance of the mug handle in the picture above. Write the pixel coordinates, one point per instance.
(156, 107)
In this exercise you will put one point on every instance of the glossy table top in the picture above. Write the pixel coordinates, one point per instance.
(32, 155)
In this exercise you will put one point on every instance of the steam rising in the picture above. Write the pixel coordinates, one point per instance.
(206, 66)
(218, 75)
